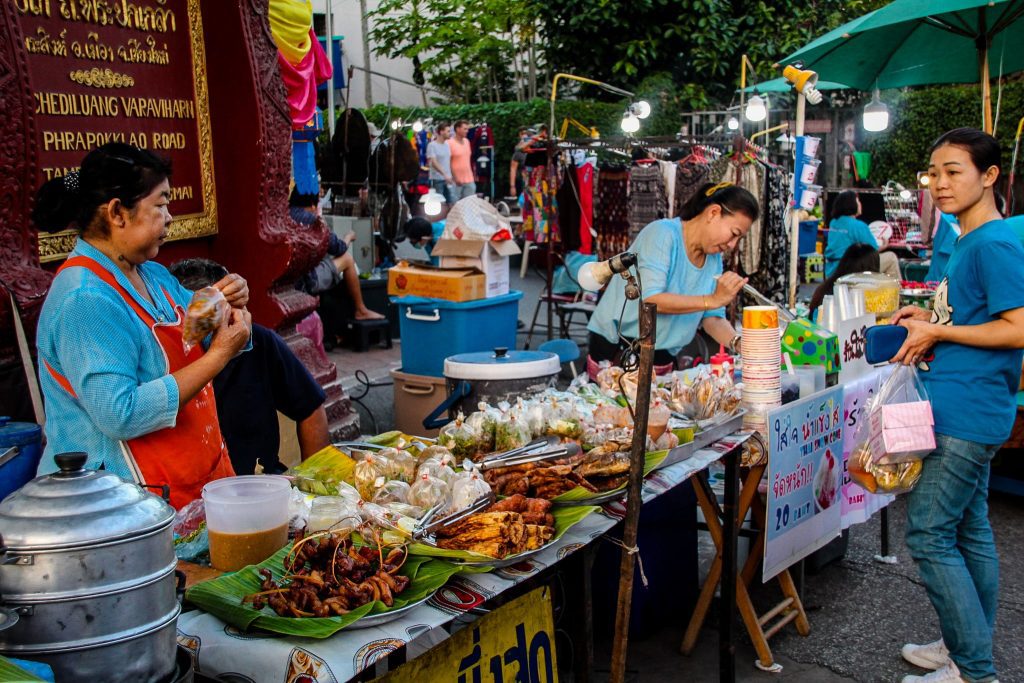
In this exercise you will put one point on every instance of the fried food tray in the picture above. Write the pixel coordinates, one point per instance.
(720, 430)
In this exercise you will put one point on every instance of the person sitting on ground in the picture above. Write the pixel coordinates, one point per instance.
(253, 387)
(337, 266)
(845, 229)
(858, 258)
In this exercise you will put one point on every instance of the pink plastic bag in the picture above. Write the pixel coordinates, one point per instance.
(312, 328)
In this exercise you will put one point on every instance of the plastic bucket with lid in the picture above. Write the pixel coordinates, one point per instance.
(20, 450)
(247, 519)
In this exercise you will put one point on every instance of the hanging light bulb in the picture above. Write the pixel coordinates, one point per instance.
(630, 123)
(396, 124)
(876, 114)
(641, 109)
(431, 202)
(417, 127)
(733, 123)
(483, 160)
(756, 108)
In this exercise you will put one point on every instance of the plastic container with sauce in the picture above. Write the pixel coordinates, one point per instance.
(881, 293)
(247, 519)
(719, 360)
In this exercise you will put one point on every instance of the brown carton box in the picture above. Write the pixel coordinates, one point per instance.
(452, 284)
(490, 257)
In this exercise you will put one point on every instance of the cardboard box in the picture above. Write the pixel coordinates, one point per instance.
(811, 344)
(452, 284)
(902, 432)
(489, 257)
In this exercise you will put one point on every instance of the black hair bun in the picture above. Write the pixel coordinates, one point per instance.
(57, 205)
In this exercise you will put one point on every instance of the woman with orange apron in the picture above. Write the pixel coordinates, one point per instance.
(116, 378)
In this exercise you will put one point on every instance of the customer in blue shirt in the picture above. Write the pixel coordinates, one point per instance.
(845, 229)
(969, 353)
(680, 263)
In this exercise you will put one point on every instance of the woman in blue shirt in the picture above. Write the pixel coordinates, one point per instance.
(117, 381)
(968, 351)
(845, 229)
(680, 262)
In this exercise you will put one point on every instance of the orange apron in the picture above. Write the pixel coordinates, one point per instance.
(191, 453)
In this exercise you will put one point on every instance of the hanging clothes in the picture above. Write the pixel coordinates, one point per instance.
(690, 175)
(611, 211)
(772, 276)
(752, 180)
(585, 178)
(668, 175)
(538, 207)
(646, 196)
(569, 209)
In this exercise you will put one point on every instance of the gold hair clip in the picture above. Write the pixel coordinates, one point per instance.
(716, 188)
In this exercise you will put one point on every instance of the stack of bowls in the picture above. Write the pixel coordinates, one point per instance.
(762, 361)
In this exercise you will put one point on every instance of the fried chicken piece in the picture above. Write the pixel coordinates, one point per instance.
(604, 464)
(537, 505)
(514, 503)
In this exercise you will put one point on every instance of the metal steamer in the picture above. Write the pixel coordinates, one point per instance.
(87, 563)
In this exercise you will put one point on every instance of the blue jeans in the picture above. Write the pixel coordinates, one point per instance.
(443, 188)
(461, 191)
(950, 539)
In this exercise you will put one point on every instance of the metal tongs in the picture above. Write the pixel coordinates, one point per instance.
(531, 452)
(428, 525)
(765, 301)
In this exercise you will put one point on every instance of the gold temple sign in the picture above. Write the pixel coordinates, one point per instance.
(122, 71)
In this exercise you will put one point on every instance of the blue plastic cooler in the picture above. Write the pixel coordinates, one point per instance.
(433, 329)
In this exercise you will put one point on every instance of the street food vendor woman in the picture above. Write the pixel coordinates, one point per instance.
(117, 382)
(680, 262)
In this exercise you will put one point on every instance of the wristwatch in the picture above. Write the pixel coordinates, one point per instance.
(734, 345)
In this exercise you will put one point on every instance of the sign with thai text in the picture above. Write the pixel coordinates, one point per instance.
(804, 478)
(858, 504)
(514, 643)
(852, 341)
(129, 71)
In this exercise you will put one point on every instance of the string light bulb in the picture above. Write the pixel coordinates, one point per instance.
(756, 109)
(876, 115)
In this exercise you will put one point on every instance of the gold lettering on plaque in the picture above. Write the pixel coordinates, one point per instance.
(101, 78)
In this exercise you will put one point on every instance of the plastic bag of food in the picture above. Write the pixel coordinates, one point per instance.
(429, 491)
(682, 399)
(483, 422)
(413, 512)
(439, 467)
(900, 419)
(608, 380)
(205, 312)
(394, 491)
(335, 513)
(467, 488)
(398, 464)
(657, 420)
(433, 452)
(877, 478)
(460, 438)
(510, 433)
(369, 475)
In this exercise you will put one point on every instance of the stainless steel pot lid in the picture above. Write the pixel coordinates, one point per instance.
(8, 618)
(76, 506)
(501, 364)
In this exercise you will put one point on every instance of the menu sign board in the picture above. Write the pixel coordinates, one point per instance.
(122, 71)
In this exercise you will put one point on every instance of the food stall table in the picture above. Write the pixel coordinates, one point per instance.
(220, 649)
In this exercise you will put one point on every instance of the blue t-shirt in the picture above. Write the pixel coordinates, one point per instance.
(664, 267)
(973, 389)
(943, 245)
(1016, 223)
(843, 233)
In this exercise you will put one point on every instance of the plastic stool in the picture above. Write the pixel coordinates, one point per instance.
(566, 349)
(364, 328)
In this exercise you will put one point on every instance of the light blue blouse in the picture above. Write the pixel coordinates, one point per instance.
(664, 267)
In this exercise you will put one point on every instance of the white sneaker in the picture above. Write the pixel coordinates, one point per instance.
(947, 674)
(930, 656)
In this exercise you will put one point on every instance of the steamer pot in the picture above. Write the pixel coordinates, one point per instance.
(87, 561)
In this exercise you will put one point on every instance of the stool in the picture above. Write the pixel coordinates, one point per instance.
(364, 328)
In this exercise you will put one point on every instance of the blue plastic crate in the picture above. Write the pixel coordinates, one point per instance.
(433, 329)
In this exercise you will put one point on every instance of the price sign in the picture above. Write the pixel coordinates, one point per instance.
(515, 642)
(852, 339)
(805, 475)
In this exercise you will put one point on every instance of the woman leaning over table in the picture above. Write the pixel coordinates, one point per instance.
(116, 380)
(680, 262)
(969, 353)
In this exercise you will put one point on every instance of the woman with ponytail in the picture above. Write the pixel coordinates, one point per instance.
(117, 382)
(680, 262)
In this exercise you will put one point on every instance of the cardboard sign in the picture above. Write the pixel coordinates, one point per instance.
(805, 476)
(515, 642)
(852, 338)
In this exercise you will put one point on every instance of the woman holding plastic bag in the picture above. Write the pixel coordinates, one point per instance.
(968, 353)
(119, 378)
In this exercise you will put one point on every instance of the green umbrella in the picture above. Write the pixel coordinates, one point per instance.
(782, 85)
(922, 42)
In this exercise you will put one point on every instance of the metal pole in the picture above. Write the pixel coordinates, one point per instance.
(794, 227)
(647, 325)
(365, 25)
(727, 604)
(328, 19)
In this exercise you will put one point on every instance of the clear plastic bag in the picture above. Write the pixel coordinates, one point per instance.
(467, 488)
(439, 468)
(510, 433)
(394, 491)
(400, 465)
(433, 452)
(460, 438)
(429, 491)
(876, 478)
(900, 419)
(368, 471)
(204, 315)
